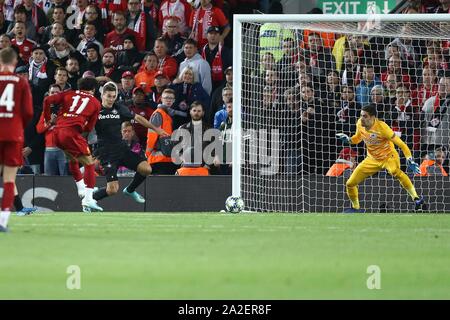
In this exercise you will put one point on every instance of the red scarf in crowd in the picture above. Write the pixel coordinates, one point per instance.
(206, 22)
(141, 27)
(42, 72)
(110, 72)
(437, 103)
(216, 65)
(34, 17)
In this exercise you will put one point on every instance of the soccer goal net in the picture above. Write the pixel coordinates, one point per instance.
(300, 79)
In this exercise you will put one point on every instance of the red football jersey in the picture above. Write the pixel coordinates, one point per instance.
(24, 48)
(115, 41)
(16, 106)
(78, 110)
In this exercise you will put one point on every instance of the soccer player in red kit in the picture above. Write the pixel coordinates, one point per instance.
(77, 115)
(16, 110)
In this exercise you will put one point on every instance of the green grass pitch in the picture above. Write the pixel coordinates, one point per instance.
(225, 256)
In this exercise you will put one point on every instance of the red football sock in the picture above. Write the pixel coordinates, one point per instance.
(74, 168)
(8, 196)
(89, 176)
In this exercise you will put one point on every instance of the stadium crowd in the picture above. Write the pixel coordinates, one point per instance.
(315, 85)
(179, 54)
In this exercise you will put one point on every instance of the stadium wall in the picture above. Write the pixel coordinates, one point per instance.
(187, 194)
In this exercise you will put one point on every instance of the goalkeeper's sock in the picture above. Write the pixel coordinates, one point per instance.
(407, 185)
(412, 192)
(355, 204)
(352, 193)
(18, 203)
(137, 180)
(100, 194)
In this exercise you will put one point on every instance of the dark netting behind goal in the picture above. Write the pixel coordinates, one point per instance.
(303, 82)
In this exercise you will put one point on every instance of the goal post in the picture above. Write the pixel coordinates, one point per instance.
(300, 79)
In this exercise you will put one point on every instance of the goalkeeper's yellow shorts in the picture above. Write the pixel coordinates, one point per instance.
(369, 167)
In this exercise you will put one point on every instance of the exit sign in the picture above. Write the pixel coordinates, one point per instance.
(356, 7)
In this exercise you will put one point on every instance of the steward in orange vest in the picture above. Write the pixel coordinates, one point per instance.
(338, 168)
(192, 171)
(159, 149)
(429, 163)
(343, 163)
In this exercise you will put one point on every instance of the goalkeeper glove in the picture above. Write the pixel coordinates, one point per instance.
(412, 166)
(343, 137)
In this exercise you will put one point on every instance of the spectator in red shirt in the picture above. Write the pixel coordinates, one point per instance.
(429, 86)
(20, 41)
(218, 57)
(141, 107)
(115, 38)
(204, 17)
(165, 62)
(395, 67)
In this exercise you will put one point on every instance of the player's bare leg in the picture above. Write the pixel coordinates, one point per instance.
(143, 170)
(9, 177)
(112, 187)
(89, 179)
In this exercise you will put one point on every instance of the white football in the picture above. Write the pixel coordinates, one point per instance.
(234, 204)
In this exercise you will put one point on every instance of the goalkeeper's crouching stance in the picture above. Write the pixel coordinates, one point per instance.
(379, 139)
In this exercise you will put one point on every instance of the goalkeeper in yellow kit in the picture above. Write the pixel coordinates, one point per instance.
(381, 154)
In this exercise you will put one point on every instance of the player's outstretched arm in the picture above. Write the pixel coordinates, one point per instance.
(141, 120)
(399, 143)
(355, 139)
(412, 166)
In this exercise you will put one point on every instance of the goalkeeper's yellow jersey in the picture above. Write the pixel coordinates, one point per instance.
(378, 139)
